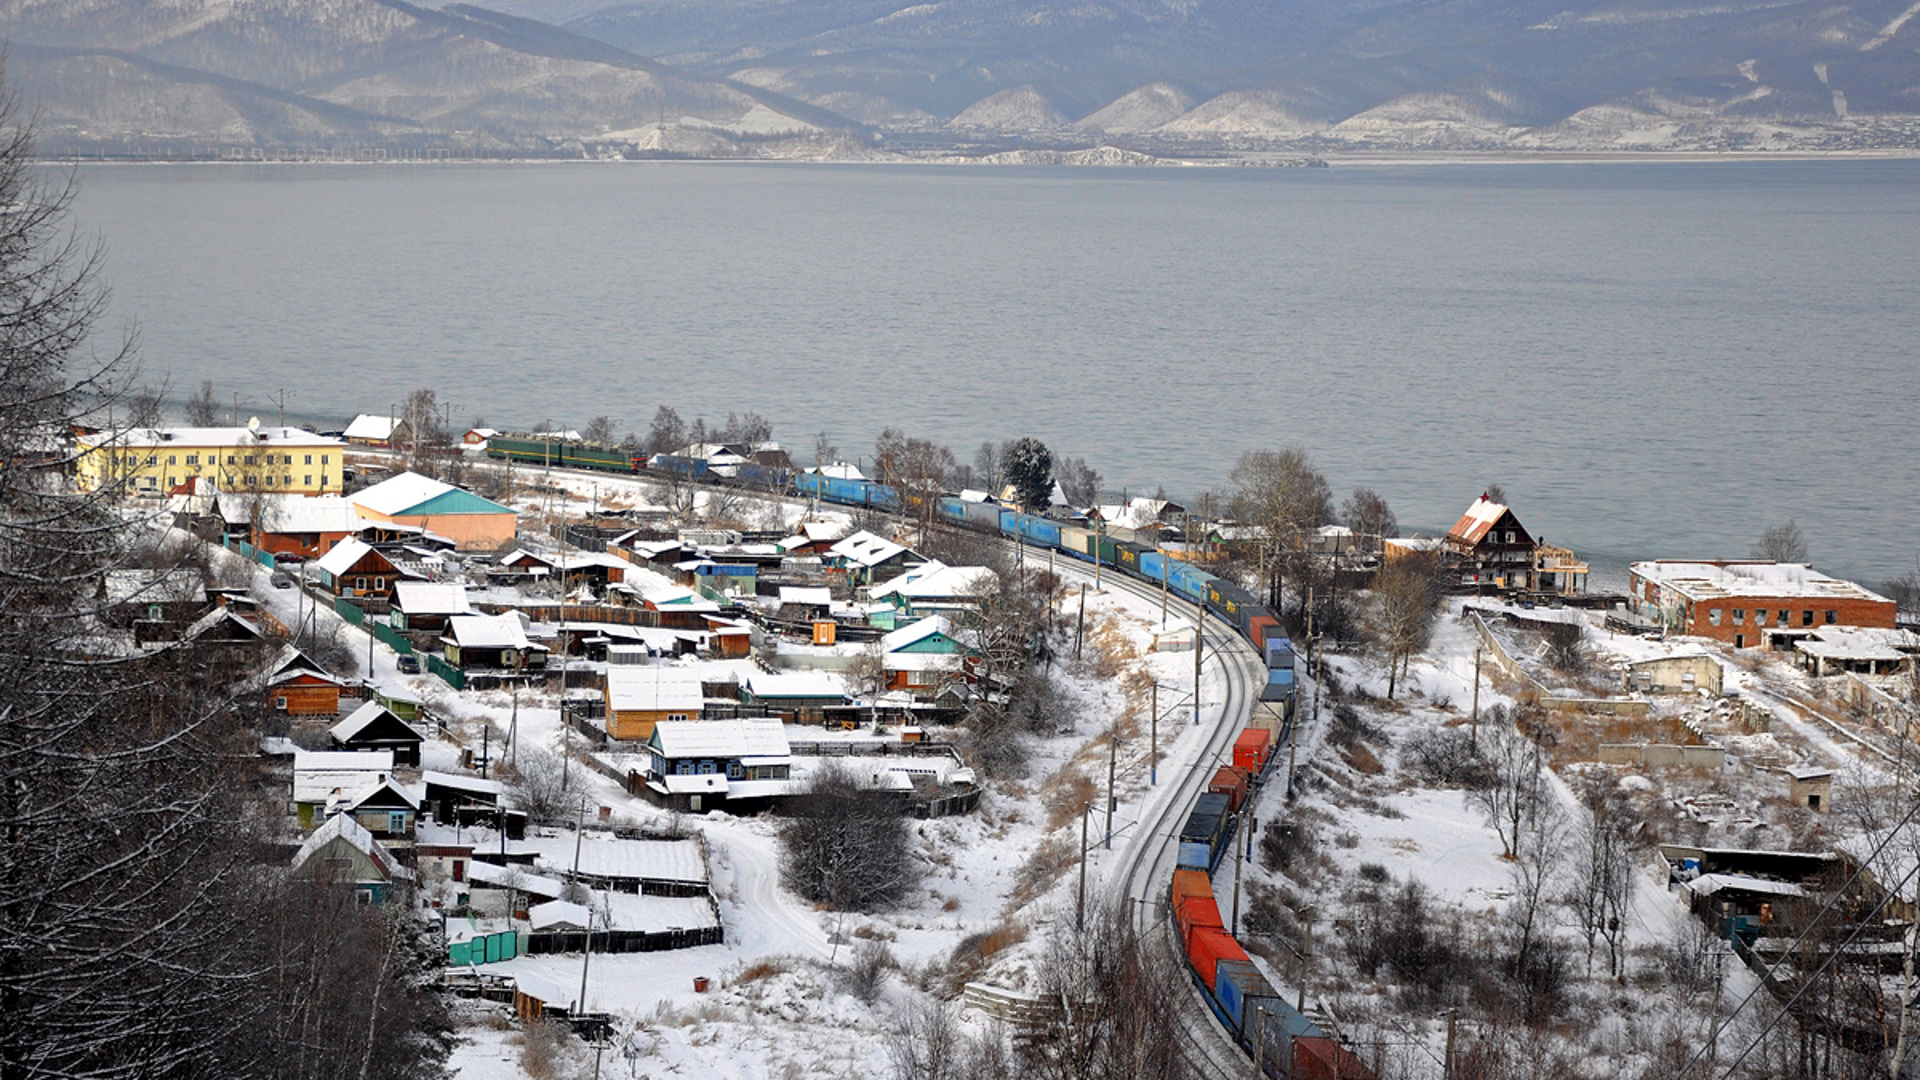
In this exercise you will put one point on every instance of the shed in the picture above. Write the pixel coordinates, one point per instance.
(1810, 786)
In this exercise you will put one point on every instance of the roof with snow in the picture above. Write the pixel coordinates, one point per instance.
(808, 595)
(343, 828)
(795, 684)
(320, 775)
(502, 631)
(213, 436)
(370, 426)
(646, 688)
(1479, 519)
(386, 785)
(1857, 643)
(361, 719)
(677, 739)
(559, 915)
(168, 586)
(936, 581)
(1709, 884)
(839, 470)
(344, 554)
(603, 855)
(413, 495)
(502, 877)
(1737, 578)
(430, 598)
(865, 549)
(916, 632)
(291, 513)
(462, 783)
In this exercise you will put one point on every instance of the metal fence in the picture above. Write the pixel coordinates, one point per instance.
(449, 674)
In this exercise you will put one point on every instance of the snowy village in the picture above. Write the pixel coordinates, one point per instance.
(694, 756)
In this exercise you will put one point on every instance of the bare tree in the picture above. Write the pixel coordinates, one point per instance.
(542, 785)
(1783, 543)
(1409, 604)
(916, 468)
(1370, 518)
(1513, 785)
(824, 452)
(748, 430)
(668, 433)
(1601, 891)
(846, 844)
(602, 430)
(1078, 481)
(1120, 1005)
(1282, 494)
(989, 466)
(203, 409)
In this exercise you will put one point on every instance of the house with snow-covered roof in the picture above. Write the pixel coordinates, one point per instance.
(934, 587)
(373, 726)
(496, 643)
(869, 558)
(472, 522)
(325, 780)
(924, 656)
(343, 852)
(699, 765)
(639, 696)
(425, 606)
(380, 432)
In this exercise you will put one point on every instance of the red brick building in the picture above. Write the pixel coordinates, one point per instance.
(1749, 603)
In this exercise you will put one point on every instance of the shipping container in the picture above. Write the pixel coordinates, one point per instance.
(1191, 883)
(1280, 686)
(1127, 555)
(1109, 550)
(1230, 781)
(678, 465)
(951, 508)
(1207, 947)
(1323, 1059)
(1197, 912)
(1039, 530)
(1250, 750)
(1244, 995)
(1153, 564)
(1279, 650)
(1077, 541)
(1282, 1025)
(764, 477)
(1262, 627)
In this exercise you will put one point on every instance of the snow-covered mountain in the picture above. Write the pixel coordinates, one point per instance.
(274, 73)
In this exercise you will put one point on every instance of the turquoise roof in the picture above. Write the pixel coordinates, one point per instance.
(455, 502)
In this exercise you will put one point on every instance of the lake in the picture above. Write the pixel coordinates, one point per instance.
(1654, 359)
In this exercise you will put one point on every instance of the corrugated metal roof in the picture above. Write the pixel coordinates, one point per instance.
(721, 739)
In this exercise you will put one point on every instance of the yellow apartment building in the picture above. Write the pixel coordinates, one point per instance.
(280, 460)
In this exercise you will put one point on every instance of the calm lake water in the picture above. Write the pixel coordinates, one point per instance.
(1655, 360)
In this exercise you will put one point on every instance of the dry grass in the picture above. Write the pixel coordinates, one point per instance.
(764, 969)
(1053, 858)
(1579, 736)
(1064, 795)
(1361, 760)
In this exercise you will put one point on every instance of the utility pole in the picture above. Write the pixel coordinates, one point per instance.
(282, 402)
(1199, 619)
(1713, 1031)
(1259, 1040)
(1080, 901)
(1446, 1066)
(486, 745)
(1235, 924)
(1080, 634)
(236, 408)
(1113, 753)
(1153, 750)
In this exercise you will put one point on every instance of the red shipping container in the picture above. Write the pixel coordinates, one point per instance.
(1197, 912)
(1250, 749)
(1191, 883)
(1262, 627)
(1324, 1059)
(1230, 781)
(1207, 947)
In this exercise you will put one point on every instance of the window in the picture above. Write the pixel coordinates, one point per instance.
(229, 459)
(250, 459)
(1739, 616)
(360, 583)
(309, 460)
(153, 459)
(683, 768)
(280, 703)
(1759, 616)
(307, 479)
(252, 480)
(1784, 618)
(286, 459)
(1713, 616)
(269, 479)
(1832, 617)
(379, 583)
(193, 459)
(323, 459)
(396, 821)
(736, 771)
(286, 481)
(1806, 618)
(173, 459)
(677, 716)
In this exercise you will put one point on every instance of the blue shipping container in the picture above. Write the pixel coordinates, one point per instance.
(1039, 530)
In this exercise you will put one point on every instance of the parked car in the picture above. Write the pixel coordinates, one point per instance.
(409, 665)
(281, 580)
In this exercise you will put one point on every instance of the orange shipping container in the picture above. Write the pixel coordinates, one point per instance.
(1250, 749)
(1197, 913)
(1191, 883)
(1231, 782)
(1207, 947)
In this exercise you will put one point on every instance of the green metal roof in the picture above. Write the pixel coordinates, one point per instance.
(455, 502)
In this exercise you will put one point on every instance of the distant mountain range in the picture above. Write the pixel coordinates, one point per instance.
(841, 78)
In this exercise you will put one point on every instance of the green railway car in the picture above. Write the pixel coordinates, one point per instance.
(566, 455)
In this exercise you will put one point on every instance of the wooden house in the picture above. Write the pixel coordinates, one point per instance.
(1489, 548)
(355, 569)
(305, 693)
(448, 794)
(289, 524)
(638, 696)
(385, 808)
(424, 607)
(801, 697)
(373, 727)
(325, 782)
(924, 656)
(342, 852)
(496, 643)
(171, 597)
(740, 765)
